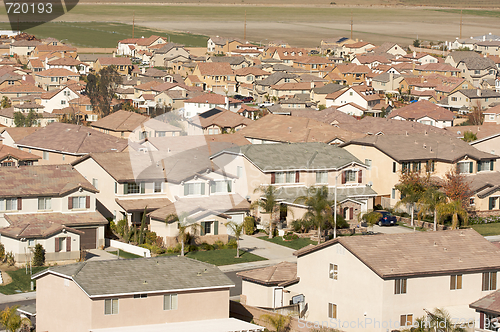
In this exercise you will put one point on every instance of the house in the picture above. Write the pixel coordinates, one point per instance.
(290, 89)
(221, 45)
(476, 69)
(207, 101)
(436, 154)
(349, 51)
(470, 98)
(22, 47)
(57, 99)
(11, 135)
(7, 115)
(437, 68)
(250, 74)
(484, 187)
(123, 65)
(134, 126)
(349, 73)
(12, 157)
(492, 115)
(372, 60)
(69, 64)
(329, 45)
(236, 62)
(261, 88)
(288, 55)
(315, 65)
(22, 90)
(274, 128)
(218, 77)
(62, 143)
(150, 294)
(386, 82)
(301, 165)
(41, 51)
(390, 48)
(488, 136)
(53, 205)
(421, 58)
(424, 112)
(448, 270)
(487, 308)
(55, 78)
(455, 57)
(360, 95)
(163, 55)
(216, 121)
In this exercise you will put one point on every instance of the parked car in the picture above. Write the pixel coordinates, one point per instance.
(313, 52)
(247, 99)
(266, 104)
(386, 219)
(239, 97)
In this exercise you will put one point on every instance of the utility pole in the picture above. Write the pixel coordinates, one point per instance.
(460, 23)
(245, 28)
(351, 24)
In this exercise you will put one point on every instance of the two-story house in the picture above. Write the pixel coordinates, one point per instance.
(476, 69)
(355, 101)
(53, 205)
(207, 101)
(55, 78)
(218, 77)
(424, 112)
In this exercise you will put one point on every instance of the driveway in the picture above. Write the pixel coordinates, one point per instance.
(391, 229)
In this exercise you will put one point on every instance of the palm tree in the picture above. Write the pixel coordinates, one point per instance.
(372, 218)
(279, 322)
(237, 230)
(11, 320)
(455, 209)
(184, 225)
(429, 201)
(440, 321)
(319, 208)
(269, 203)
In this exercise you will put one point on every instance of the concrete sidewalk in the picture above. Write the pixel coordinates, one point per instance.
(17, 297)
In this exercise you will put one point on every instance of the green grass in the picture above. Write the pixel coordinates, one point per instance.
(20, 281)
(487, 229)
(125, 254)
(224, 257)
(105, 34)
(294, 244)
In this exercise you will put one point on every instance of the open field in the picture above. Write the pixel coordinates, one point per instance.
(299, 24)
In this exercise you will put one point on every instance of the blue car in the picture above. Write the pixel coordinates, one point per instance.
(386, 219)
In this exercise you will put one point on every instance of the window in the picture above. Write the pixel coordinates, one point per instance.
(322, 177)
(333, 272)
(63, 157)
(239, 171)
(472, 201)
(157, 187)
(430, 165)
(31, 243)
(332, 310)
(161, 133)
(194, 189)
(95, 183)
(285, 177)
(453, 98)
(489, 281)
(44, 203)
(466, 167)
(207, 228)
(134, 188)
(170, 302)
(350, 176)
(224, 186)
(455, 281)
(400, 286)
(45, 155)
(368, 162)
(88, 107)
(140, 296)
(53, 79)
(393, 193)
(405, 167)
(63, 102)
(79, 202)
(394, 167)
(116, 187)
(210, 131)
(406, 320)
(485, 165)
(111, 307)
(477, 72)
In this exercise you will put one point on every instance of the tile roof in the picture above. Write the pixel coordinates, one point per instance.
(458, 56)
(212, 98)
(56, 72)
(7, 151)
(271, 275)
(418, 254)
(147, 41)
(138, 205)
(215, 68)
(232, 60)
(142, 275)
(423, 147)
(251, 71)
(481, 131)
(275, 78)
(220, 117)
(67, 61)
(283, 128)
(111, 61)
(352, 68)
(22, 88)
(290, 194)
(441, 67)
(328, 115)
(41, 180)
(329, 88)
(73, 139)
(484, 184)
(423, 108)
(44, 225)
(18, 133)
(489, 303)
(473, 93)
(357, 45)
(292, 86)
(120, 121)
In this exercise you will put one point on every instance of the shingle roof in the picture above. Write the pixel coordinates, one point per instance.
(41, 180)
(142, 275)
(211, 98)
(478, 63)
(138, 205)
(473, 93)
(423, 147)
(328, 115)
(484, 183)
(420, 253)
(423, 108)
(329, 88)
(271, 275)
(490, 303)
(458, 56)
(72, 139)
(275, 78)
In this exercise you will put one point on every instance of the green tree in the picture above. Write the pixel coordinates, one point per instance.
(469, 136)
(429, 201)
(249, 225)
(371, 218)
(184, 226)
(280, 323)
(416, 43)
(11, 320)
(319, 208)
(19, 119)
(321, 107)
(38, 255)
(269, 203)
(237, 230)
(5, 103)
(101, 88)
(455, 210)
(411, 186)
(143, 225)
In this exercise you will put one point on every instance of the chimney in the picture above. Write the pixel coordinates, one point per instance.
(414, 54)
(478, 92)
(226, 101)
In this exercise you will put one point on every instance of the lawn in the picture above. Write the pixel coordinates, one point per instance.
(20, 281)
(105, 34)
(294, 244)
(487, 229)
(224, 257)
(125, 254)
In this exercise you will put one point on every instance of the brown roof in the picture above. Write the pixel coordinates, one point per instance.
(73, 139)
(212, 98)
(283, 128)
(55, 48)
(136, 205)
(293, 86)
(328, 115)
(437, 67)
(220, 117)
(251, 70)
(147, 41)
(215, 68)
(492, 110)
(353, 68)
(110, 61)
(271, 275)
(357, 45)
(6, 151)
(56, 72)
(421, 109)
(482, 131)
(420, 253)
(489, 304)
(67, 61)
(44, 225)
(121, 121)
(41, 180)
(22, 88)
(18, 133)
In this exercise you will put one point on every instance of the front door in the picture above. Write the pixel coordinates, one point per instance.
(278, 297)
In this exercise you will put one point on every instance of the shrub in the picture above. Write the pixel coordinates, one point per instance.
(177, 248)
(290, 236)
(112, 225)
(2, 252)
(207, 247)
(150, 237)
(191, 248)
(341, 222)
(9, 258)
(38, 255)
(219, 245)
(153, 248)
(249, 225)
(170, 250)
(378, 207)
(232, 244)
(297, 225)
(122, 227)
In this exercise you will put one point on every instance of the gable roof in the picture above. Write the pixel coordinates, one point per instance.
(6, 151)
(111, 61)
(72, 139)
(220, 117)
(432, 253)
(41, 180)
(141, 275)
(421, 109)
(478, 63)
(215, 68)
(56, 72)
(212, 98)
(121, 121)
(18, 133)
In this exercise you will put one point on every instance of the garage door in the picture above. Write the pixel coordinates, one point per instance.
(89, 239)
